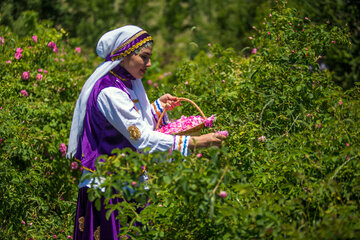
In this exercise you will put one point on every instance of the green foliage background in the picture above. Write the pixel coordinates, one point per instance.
(182, 28)
(302, 182)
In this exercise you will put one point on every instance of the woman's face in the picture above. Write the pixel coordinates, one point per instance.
(136, 64)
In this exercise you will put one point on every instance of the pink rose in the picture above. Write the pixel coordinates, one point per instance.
(340, 102)
(78, 50)
(51, 45)
(133, 183)
(224, 133)
(250, 38)
(19, 50)
(18, 55)
(62, 149)
(8, 62)
(254, 51)
(24, 93)
(199, 155)
(39, 76)
(34, 38)
(209, 121)
(25, 75)
(262, 139)
(2, 40)
(40, 70)
(74, 165)
(223, 194)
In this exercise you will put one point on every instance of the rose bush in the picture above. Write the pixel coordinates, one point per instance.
(289, 168)
(37, 184)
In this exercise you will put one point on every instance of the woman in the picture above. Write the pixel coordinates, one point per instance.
(113, 111)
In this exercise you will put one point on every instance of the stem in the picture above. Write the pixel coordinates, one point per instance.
(221, 178)
(342, 165)
(262, 111)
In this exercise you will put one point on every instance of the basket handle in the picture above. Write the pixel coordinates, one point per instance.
(180, 99)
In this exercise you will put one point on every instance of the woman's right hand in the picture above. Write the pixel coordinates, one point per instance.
(206, 140)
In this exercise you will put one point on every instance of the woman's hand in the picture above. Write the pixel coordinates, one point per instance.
(168, 102)
(206, 140)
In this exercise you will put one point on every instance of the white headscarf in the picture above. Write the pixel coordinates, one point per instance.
(107, 43)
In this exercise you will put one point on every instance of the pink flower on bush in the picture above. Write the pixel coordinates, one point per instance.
(250, 38)
(199, 155)
(269, 33)
(253, 51)
(78, 50)
(62, 149)
(25, 75)
(332, 42)
(8, 62)
(40, 70)
(18, 55)
(2, 40)
(24, 93)
(309, 115)
(270, 15)
(133, 183)
(74, 165)
(19, 50)
(186, 83)
(262, 139)
(223, 194)
(39, 76)
(53, 46)
(156, 84)
(149, 82)
(45, 71)
(347, 144)
(34, 38)
(340, 102)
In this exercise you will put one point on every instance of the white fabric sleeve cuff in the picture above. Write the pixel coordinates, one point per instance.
(156, 110)
(181, 144)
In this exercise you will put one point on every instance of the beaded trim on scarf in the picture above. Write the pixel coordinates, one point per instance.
(133, 48)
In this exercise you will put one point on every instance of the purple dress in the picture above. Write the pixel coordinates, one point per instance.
(100, 137)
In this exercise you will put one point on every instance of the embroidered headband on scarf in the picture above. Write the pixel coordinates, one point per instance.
(113, 46)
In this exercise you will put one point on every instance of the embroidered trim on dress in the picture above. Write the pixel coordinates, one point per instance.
(81, 223)
(116, 75)
(97, 233)
(134, 132)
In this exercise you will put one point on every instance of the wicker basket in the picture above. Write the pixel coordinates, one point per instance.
(194, 131)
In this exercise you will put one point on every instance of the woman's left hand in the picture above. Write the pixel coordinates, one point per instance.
(168, 101)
